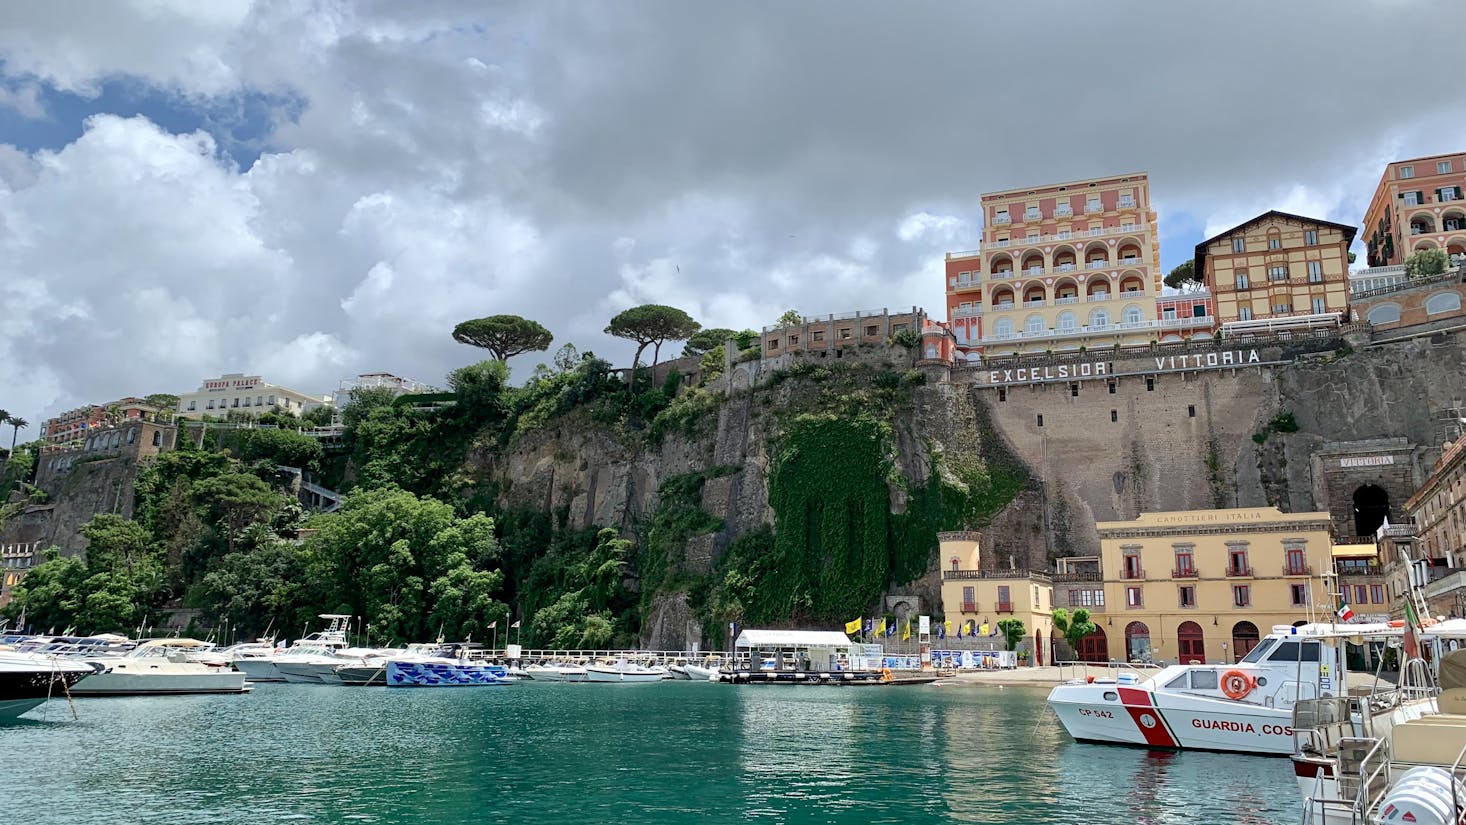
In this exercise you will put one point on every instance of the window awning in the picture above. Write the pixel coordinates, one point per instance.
(1355, 551)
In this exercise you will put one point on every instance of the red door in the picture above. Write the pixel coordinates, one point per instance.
(1191, 643)
(1094, 648)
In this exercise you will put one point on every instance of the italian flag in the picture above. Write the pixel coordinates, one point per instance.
(1345, 611)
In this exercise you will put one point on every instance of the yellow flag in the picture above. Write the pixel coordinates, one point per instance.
(947, 625)
(906, 631)
(984, 630)
(853, 626)
(881, 628)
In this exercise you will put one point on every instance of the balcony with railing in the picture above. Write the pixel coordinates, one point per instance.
(1204, 322)
(1080, 576)
(1034, 270)
(1127, 203)
(1036, 302)
(1096, 264)
(1063, 211)
(1071, 299)
(966, 312)
(1092, 207)
(1034, 575)
(1065, 268)
(1004, 607)
(1186, 572)
(1033, 215)
(1239, 571)
(1064, 235)
(969, 607)
(1132, 573)
(1297, 570)
(1002, 218)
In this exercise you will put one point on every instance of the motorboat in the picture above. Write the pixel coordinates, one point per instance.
(159, 666)
(444, 672)
(228, 656)
(315, 648)
(1245, 707)
(28, 679)
(701, 673)
(556, 673)
(678, 672)
(624, 671)
(1354, 767)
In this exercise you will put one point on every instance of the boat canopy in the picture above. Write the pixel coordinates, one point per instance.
(1448, 629)
(1338, 629)
(792, 639)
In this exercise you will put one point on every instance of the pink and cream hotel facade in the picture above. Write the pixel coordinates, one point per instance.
(1064, 267)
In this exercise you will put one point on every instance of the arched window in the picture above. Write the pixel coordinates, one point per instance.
(1133, 315)
(1004, 328)
(1068, 322)
(1099, 319)
(157, 438)
(131, 435)
(1137, 642)
(1384, 314)
(1035, 325)
(1442, 302)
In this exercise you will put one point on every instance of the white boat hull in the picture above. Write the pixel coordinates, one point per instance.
(701, 674)
(556, 674)
(610, 674)
(120, 681)
(258, 670)
(1170, 721)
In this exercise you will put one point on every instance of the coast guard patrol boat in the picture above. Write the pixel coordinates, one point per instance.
(1242, 708)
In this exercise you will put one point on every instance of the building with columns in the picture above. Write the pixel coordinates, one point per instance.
(1064, 266)
(1417, 205)
(237, 392)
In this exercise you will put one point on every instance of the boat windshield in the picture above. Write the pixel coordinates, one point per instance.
(1255, 655)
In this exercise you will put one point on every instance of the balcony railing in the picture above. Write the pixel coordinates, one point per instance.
(1063, 212)
(1096, 264)
(1070, 299)
(1081, 576)
(1132, 575)
(951, 575)
(1003, 305)
(1127, 203)
(1004, 607)
(1240, 571)
(1099, 296)
(1183, 573)
(1036, 302)
(1002, 219)
(1297, 570)
(1091, 208)
(1205, 322)
(966, 312)
(1129, 261)
(1091, 232)
(1034, 270)
(969, 607)
(1065, 267)
(1034, 215)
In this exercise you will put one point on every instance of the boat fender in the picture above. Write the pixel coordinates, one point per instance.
(885, 674)
(1236, 684)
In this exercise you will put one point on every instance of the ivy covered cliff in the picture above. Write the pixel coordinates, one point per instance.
(591, 509)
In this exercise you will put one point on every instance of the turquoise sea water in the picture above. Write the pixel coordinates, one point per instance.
(668, 752)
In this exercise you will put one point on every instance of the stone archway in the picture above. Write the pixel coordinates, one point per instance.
(1371, 508)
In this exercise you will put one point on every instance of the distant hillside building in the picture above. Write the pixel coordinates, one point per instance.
(377, 381)
(1278, 271)
(1417, 205)
(246, 393)
(74, 424)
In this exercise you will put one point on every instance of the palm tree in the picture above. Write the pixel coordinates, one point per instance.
(5, 419)
(17, 424)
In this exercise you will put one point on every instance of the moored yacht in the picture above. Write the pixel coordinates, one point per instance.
(556, 673)
(159, 666)
(28, 679)
(314, 647)
(624, 671)
(1244, 708)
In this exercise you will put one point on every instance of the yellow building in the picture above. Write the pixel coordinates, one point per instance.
(1278, 270)
(1205, 585)
(973, 597)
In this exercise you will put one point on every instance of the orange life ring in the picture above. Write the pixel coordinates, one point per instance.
(1236, 684)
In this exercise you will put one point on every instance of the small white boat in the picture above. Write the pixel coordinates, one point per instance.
(678, 672)
(624, 671)
(159, 666)
(556, 673)
(699, 673)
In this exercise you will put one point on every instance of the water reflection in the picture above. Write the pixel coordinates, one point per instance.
(636, 753)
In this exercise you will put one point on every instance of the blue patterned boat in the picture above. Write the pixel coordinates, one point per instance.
(444, 673)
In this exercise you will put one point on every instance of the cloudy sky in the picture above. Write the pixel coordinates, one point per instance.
(311, 189)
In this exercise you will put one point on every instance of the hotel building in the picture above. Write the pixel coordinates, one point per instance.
(1063, 267)
(1278, 271)
(244, 393)
(1417, 205)
(74, 424)
(1206, 585)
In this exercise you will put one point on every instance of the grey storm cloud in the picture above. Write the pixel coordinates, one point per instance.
(563, 160)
